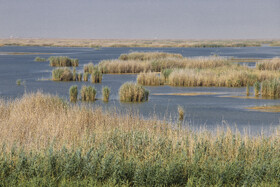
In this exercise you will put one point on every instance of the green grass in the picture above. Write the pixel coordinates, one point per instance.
(270, 88)
(132, 92)
(18, 82)
(257, 88)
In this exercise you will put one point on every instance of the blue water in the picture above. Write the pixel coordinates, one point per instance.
(208, 111)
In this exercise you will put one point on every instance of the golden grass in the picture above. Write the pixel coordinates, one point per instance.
(97, 43)
(274, 108)
(45, 140)
(219, 77)
(148, 56)
(150, 78)
(269, 64)
(137, 66)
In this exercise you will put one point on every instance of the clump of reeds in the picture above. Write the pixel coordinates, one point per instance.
(269, 64)
(80, 77)
(181, 113)
(88, 93)
(257, 88)
(106, 93)
(150, 79)
(248, 90)
(96, 76)
(86, 75)
(63, 61)
(39, 59)
(148, 56)
(74, 74)
(73, 93)
(270, 88)
(62, 74)
(132, 92)
(90, 68)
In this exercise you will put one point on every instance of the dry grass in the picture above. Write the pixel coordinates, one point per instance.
(97, 43)
(143, 56)
(269, 64)
(150, 79)
(131, 92)
(158, 65)
(72, 143)
(274, 108)
(219, 77)
(63, 61)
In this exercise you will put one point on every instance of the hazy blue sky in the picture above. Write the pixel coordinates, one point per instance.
(174, 19)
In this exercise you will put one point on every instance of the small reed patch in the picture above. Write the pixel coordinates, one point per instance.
(63, 61)
(88, 93)
(131, 92)
(106, 93)
(73, 93)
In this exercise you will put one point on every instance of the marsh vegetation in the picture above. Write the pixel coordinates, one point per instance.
(45, 141)
(63, 61)
(132, 92)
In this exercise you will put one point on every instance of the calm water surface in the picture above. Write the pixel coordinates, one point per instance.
(207, 111)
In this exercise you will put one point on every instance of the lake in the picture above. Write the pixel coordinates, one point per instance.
(207, 111)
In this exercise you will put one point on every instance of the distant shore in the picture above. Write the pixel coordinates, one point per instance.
(98, 43)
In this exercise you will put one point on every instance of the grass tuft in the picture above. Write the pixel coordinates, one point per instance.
(73, 93)
(96, 76)
(88, 93)
(131, 92)
(63, 61)
(106, 93)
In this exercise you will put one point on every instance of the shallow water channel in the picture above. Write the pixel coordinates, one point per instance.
(204, 107)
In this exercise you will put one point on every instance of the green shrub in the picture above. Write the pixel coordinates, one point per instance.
(88, 93)
(106, 93)
(131, 92)
(73, 93)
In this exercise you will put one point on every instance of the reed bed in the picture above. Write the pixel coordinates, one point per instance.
(158, 65)
(63, 61)
(150, 79)
(219, 77)
(132, 92)
(46, 142)
(88, 93)
(270, 88)
(271, 64)
(143, 56)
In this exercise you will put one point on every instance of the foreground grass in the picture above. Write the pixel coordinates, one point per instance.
(46, 142)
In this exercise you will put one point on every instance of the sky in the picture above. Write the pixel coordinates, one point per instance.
(140, 19)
